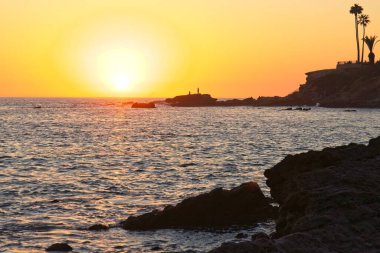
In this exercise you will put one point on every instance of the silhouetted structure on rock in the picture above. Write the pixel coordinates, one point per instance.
(192, 100)
(201, 100)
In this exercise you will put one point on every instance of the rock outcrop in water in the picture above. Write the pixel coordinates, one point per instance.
(329, 202)
(192, 100)
(143, 105)
(59, 247)
(201, 100)
(99, 227)
(243, 205)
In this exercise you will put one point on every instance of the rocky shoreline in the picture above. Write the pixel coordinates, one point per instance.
(329, 201)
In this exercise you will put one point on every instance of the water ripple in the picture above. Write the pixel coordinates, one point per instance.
(76, 162)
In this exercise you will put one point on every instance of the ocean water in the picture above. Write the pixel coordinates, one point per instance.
(76, 162)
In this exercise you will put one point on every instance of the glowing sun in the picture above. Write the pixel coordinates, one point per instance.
(120, 57)
(121, 68)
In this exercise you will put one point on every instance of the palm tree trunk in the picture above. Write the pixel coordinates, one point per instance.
(357, 38)
(363, 44)
(371, 57)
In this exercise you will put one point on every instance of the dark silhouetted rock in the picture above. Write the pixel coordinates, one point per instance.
(270, 101)
(242, 205)
(329, 202)
(201, 100)
(59, 247)
(260, 235)
(192, 100)
(98, 227)
(156, 248)
(143, 105)
(343, 87)
(237, 102)
(241, 236)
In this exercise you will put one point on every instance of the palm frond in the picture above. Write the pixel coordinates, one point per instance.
(356, 9)
(364, 20)
(370, 41)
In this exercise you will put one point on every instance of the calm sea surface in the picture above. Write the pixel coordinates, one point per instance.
(77, 162)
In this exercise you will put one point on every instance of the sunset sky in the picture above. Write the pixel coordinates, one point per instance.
(162, 48)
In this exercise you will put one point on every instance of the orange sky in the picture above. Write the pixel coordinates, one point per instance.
(162, 48)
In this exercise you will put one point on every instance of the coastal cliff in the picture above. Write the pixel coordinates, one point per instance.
(328, 202)
(347, 86)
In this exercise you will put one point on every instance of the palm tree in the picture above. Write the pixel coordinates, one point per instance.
(356, 10)
(363, 21)
(371, 42)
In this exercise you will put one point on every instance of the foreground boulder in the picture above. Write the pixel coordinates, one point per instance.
(243, 205)
(329, 202)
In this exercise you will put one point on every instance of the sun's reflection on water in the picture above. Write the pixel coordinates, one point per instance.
(77, 162)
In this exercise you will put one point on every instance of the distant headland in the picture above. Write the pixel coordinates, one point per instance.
(348, 85)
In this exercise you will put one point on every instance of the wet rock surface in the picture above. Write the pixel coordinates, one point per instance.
(98, 227)
(329, 202)
(243, 205)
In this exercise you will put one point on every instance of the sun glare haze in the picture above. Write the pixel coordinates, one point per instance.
(164, 48)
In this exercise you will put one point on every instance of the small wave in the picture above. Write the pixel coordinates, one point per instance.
(185, 165)
(35, 227)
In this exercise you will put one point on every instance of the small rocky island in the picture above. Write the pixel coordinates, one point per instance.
(201, 100)
(349, 85)
(149, 105)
